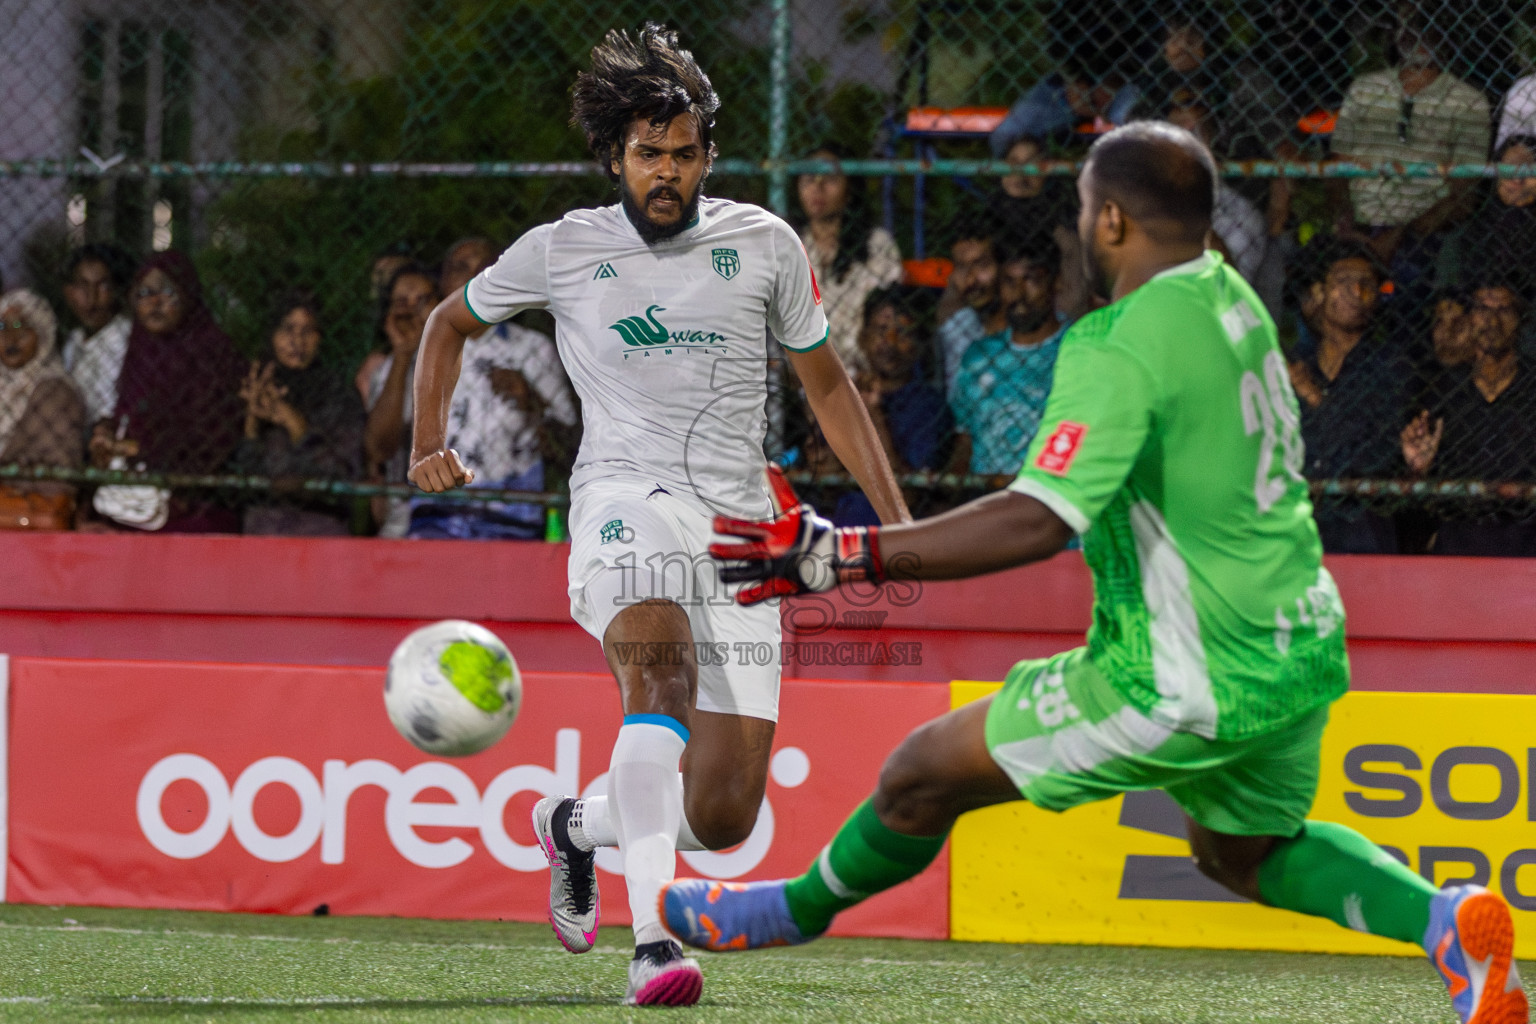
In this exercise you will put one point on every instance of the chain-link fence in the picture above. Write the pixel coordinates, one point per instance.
(232, 216)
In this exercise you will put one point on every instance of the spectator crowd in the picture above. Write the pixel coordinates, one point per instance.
(1404, 306)
(147, 380)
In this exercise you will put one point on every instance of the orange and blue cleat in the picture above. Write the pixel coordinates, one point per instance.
(727, 917)
(1471, 941)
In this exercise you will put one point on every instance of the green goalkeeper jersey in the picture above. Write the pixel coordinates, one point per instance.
(1171, 441)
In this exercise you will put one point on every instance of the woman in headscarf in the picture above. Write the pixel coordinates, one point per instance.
(302, 419)
(42, 416)
(178, 406)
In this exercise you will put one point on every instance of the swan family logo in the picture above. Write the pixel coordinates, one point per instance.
(645, 331)
(642, 330)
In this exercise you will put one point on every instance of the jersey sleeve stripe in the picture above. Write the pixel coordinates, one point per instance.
(471, 308)
(1053, 500)
(814, 345)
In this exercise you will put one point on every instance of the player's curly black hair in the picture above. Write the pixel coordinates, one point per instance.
(650, 77)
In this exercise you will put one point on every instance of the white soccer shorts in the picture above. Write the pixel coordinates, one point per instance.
(633, 540)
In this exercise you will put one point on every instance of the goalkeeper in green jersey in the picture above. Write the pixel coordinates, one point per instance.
(1171, 444)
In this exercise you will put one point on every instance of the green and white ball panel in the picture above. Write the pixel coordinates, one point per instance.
(452, 688)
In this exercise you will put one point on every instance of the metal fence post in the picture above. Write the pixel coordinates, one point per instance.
(778, 109)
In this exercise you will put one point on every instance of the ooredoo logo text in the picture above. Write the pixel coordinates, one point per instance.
(323, 816)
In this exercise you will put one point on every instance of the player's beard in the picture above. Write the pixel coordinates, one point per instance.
(649, 231)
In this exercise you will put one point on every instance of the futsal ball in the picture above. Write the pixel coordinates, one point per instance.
(452, 688)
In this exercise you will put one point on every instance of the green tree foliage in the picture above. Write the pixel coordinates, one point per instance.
(476, 80)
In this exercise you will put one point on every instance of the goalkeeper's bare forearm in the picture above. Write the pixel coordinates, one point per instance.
(997, 532)
(797, 551)
(434, 468)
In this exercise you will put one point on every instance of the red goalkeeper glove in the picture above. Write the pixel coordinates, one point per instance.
(795, 552)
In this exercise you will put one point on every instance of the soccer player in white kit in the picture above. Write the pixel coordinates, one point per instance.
(663, 304)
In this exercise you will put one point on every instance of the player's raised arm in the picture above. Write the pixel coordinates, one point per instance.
(844, 420)
(434, 469)
(796, 319)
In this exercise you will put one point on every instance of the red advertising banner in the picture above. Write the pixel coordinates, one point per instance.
(284, 789)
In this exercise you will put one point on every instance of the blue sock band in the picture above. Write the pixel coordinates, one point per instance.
(665, 721)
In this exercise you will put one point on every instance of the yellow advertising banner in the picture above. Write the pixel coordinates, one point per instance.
(1442, 781)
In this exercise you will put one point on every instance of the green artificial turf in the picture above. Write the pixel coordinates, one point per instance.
(91, 964)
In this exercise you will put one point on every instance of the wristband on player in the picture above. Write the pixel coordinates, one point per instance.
(858, 554)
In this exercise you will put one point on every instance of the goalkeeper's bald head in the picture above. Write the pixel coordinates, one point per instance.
(1159, 175)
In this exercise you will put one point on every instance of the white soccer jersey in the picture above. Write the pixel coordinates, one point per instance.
(666, 344)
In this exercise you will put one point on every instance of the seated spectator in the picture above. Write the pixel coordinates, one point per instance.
(463, 260)
(850, 256)
(908, 412)
(1517, 114)
(1483, 429)
(384, 267)
(1415, 111)
(1454, 344)
(511, 406)
(302, 419)
(1004, 379)
(1293, 66)
(1097, 50)
(42, 416)
(1355, 390)
(95, 282)
(1502, 233)
(408, 299)
(178, 401)
(968, 309)
(1296, 62)
(1054, 107)
(1026, 204)
(1185, 63)
(1237, 227)
(380, 273)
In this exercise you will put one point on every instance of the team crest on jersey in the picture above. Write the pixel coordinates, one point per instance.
(727, 262)
(615, 529)
(604, 271)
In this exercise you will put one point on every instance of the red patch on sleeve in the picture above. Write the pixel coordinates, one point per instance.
(1061, 448)
(815, 288)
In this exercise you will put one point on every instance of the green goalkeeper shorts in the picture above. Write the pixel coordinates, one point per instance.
(1065, 737)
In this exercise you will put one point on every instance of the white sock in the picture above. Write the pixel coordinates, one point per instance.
(686, 840)
(590, 825)
(645, 807)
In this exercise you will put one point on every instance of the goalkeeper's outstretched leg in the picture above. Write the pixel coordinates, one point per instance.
(940, 771)
(999, 750)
